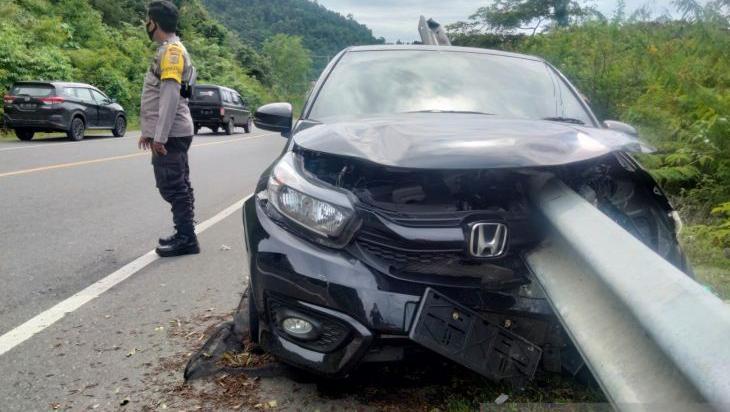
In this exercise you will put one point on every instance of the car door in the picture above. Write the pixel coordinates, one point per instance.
(104, 109)
(237, 109)
(226, 103)
(245, 112)
(88, 105)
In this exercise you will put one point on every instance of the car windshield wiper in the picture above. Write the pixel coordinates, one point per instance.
(451, 111)
(564, 120)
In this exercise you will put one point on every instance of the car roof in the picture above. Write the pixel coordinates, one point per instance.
(456, 49)
(54, 83)
(215, 86)
(70, 84)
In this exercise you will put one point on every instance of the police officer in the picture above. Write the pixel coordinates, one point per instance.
(167, 127)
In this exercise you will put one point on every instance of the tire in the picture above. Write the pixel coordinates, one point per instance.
(253, 319)
(248, 126)
(24, 134)
(77, 129)
(196, 129)
(246, 319)
(215, 129)
(120, 127)
(229, 127)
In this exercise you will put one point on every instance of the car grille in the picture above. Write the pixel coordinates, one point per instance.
(399, 258)
(433, 262)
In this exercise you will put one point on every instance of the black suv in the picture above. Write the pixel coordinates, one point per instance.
(400, 211)
(73, 108)
(218, 107)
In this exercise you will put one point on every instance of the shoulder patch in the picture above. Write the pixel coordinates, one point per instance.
(172, 63)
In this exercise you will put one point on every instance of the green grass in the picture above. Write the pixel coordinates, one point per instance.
(9, 135)
(709, 260)
(717, 279)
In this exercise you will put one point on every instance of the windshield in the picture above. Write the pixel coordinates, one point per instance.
(34, 90)
(398, 81)
(206, 94)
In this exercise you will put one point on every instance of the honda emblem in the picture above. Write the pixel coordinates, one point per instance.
(488, 240)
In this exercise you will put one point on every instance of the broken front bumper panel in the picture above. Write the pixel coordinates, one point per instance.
(462, 335)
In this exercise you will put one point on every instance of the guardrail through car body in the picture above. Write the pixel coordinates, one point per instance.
(652, 336)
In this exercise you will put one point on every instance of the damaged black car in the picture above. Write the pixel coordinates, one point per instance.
(398, 216)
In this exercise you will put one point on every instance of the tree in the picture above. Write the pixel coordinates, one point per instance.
(290, 63)
(521, 15)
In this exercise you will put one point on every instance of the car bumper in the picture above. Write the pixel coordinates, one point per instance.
(52, 123)
(291, 275)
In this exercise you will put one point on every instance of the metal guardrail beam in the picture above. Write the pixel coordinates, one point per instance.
(432, 33)
(651, 335)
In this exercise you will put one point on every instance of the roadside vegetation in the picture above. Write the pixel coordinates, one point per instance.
(668, 77)
(322, 31)
(104, 43)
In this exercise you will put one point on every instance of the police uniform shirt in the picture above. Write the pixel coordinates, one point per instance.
(163, 113)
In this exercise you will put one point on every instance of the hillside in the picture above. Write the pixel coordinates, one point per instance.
(324, 32)
(103, 43)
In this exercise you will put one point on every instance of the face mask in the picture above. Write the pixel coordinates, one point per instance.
(150, 33)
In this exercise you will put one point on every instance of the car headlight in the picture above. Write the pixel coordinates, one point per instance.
(310, 204)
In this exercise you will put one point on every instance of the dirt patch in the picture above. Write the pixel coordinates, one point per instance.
(222, 393)
(249, 357)
(166, 389)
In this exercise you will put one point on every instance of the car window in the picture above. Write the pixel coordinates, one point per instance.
(206, 94)
(34, 90)
(100, 98)
(69, 92)
(226, 96)
(387, 82)
(83, 94)
(570, 106)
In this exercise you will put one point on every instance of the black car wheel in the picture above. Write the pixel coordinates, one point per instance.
(253, 319)
(196, 129)
(229, 127)
(248, 126)
(24, 134)
(120, 127)
(246, 318)
(215, 129)
(77, 129)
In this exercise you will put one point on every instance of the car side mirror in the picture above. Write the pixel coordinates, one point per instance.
(275, 117)
(621, 127)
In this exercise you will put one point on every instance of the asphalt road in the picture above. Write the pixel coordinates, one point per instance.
(71, 214)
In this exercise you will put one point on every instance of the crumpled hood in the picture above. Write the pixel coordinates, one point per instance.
(464, 141)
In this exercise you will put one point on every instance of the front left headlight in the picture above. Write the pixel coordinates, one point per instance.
(310, 205)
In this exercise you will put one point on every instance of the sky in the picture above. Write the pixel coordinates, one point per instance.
(398, 19)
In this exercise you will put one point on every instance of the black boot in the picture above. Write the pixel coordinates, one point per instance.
(164, 241)
(181, 245)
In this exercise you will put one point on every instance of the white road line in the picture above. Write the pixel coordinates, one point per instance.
(41, 144)
(47, 318)
(120, 157)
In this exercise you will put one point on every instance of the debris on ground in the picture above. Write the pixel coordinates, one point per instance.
(239, 376)
(501, 399)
